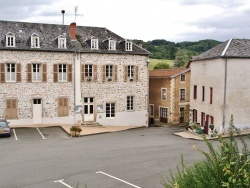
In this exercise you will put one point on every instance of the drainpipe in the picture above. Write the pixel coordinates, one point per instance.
(224, 98)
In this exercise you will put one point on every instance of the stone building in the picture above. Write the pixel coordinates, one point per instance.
(220, 85)
(169, 91)
(59, 74)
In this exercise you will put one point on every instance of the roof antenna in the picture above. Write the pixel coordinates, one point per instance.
(76, 13)
(63, 11)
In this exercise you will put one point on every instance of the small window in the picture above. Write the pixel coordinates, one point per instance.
(88, 72)
(183, 78)
(203, 93)
(131, 72)
(36, 72)
(128, 46)
(211, 95)
(110, 110)
(10, 40)
(109, 72)
(163, 94)
(62, 73)
(94, 44)
(61, 42)
(182, 94)
(10, 72)
(35, 41)
(130, 103)
(112, 45)
(195, 91)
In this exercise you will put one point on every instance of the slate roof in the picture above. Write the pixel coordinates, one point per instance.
(166, 73)
(237, 48)
(48, 34)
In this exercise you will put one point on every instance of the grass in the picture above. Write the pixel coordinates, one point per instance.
(153, 62)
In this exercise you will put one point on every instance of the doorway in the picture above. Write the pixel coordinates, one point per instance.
(37, 111)
(88, 109)
(163, 115)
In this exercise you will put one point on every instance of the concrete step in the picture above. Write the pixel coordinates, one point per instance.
(91, 124)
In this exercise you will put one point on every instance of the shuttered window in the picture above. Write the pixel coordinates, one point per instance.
(36, 72)
(2, 73)
(63, 109)
(62, 73)
(11, 109)
(109, 73)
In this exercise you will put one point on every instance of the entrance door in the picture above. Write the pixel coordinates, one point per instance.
(163, 115)
(182, 112)
(88, 109)
(37, 111)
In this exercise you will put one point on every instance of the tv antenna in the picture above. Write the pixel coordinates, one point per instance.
(76, 13)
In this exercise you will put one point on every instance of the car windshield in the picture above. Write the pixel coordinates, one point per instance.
(3, 124)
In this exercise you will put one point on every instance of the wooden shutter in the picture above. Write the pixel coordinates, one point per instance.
(104, 73)
(95, 72)
(125, 73)
(44, 72)
(2, 73)
(136, 73)
(82, 73)
(63, 107)
(55, 70)
(11, 109)
(18, 72)
(69, 73)
(115, 73)
(29, 73)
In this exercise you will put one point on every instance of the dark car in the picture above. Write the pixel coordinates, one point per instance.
(4, 128)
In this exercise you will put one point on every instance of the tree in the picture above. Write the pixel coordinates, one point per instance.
(181, 58)
(162, 66)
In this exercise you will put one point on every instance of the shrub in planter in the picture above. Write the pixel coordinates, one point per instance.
(75, 129)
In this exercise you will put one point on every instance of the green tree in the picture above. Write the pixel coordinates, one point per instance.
(162, 66)
(181, 58)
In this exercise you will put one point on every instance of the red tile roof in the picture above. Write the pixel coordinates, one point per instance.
(165, 72)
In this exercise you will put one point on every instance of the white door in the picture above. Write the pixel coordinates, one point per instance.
(37, 111)
(88, 109)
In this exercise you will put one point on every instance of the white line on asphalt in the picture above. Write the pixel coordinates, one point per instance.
(15, 134)
(61, 181)
(100, 172)
(40, 133)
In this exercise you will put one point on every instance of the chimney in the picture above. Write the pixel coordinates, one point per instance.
(72, 31)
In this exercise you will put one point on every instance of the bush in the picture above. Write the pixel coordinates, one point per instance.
(225, 167)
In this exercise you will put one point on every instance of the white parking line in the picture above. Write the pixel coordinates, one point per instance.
(100, 172)
(41, 133)
(61, 181)
(15, 134)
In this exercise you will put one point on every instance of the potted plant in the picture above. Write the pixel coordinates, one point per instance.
(211, 126)
(75, 130)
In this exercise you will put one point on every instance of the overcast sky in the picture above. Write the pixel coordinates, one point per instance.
(173, 20)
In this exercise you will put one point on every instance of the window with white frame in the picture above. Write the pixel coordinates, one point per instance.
(62, 72)
(94, 44)
(110, 110)
(112, 45)
(61, 42)
(130, 103)
(36, 72)
(183, 77)
(128, 46)
(163, 94)
(10, 40)
(109, 71)
(131, 69)
(182, 94)
(10, 72)
(88, 71)
(35, 41)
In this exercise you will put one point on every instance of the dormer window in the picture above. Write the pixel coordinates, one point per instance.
(94, 44)
(62, 42)
(10, 40)
(128, 46)
(35, 41)
(112, 45)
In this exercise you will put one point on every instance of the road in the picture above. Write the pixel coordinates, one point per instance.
(133, 158)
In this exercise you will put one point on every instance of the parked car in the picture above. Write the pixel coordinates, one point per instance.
(4, 128)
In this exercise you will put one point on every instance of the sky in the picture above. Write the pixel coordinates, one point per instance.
(172, 20)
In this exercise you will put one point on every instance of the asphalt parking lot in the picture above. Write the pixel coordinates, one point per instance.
(138, 158)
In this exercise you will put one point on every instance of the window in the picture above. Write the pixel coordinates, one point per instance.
(10, 40)
(109, 71)
(195, 91)
(10, 72)
(63, 109)
(202, 119)
(88, 72)
(35, 41)
(61, 42)
(183, 77)
(94, 44)
(11, 109)
(62, 72)
(128, 46)
(112, 45)
(131, 72)
(211, 95)
(110, 110)
(151, 110)
(163, 94)
(195, 115)
(130, 103)
(203, 93)
(182, 114)
(182, 94)
(36, 73)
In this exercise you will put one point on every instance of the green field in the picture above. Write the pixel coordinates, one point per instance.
(153, 62)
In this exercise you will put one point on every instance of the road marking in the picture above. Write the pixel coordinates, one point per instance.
(100, 172)
(41, 133)
(15, 134)
(61, 181)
